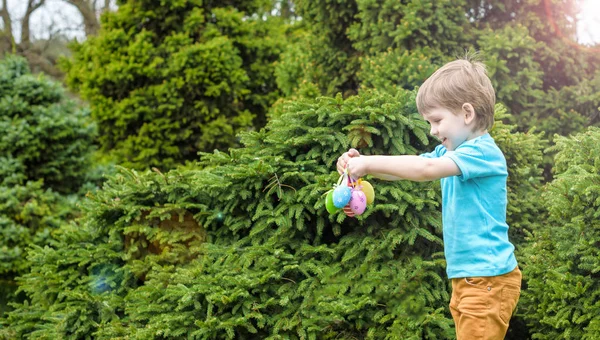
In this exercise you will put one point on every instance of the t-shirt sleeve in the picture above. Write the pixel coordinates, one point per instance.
(472, 162)
(437, 152)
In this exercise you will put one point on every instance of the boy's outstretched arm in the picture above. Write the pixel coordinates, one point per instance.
(408, 167)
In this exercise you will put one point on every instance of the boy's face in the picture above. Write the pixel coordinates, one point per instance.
(451, 129)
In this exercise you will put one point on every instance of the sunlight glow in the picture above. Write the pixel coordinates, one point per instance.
(588, 25)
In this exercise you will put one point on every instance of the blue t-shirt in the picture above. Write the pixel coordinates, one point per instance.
(474, 210)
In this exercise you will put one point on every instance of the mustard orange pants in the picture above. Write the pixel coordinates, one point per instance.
(482, 306)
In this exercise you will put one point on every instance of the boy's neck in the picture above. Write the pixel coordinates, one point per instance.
(476, 134)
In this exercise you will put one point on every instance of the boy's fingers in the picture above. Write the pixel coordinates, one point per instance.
(340, 165)
(342, 162)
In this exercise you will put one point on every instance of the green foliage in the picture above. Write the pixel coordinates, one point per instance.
(571, 108)
(166, 80)
(294, 68)
(516, 76)
(29, 213)
(524, 156)
(409, 25)
(332, 57)
(562, 261)
(43, 135)
(45, 148)
(352, 44)
(28, 216)
(389, 70)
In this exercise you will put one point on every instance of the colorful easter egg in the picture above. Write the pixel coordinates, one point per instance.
(367, 188)
(331, 208)
(341, 196)
(358, 202)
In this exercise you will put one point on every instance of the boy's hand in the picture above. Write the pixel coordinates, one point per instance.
(342, 162)
(357, 166)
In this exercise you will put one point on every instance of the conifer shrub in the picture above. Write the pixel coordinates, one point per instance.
(410, 25)
(347, 45)
(166, 80)
(563, 257)
(569, 109)
(509, 54)
(325, 54)
(45, 146)
(44, 134)
(240, 245)
(391, 69)
(29, 214)
(525, 159)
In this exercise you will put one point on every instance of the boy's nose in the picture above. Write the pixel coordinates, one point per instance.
(433, 131)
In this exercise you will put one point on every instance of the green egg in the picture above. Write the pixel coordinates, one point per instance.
(329, 203)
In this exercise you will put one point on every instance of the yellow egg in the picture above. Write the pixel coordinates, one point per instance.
(367, 188)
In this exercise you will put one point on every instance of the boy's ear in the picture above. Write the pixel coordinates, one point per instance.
(469, 113)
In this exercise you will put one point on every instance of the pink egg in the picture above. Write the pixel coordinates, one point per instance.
(358, 202)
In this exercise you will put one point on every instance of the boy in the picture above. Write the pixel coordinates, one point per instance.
(458, 102)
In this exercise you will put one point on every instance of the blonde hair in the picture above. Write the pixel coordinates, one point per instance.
(456, 83)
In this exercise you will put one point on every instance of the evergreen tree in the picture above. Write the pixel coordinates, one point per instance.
(326, 55)
(524, 157)
(44, 135)
(168, 79)
(563, 257)
(45, 148)
(240, 245)
(352, 44)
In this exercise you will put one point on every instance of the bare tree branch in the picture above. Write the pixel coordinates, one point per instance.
(88, 12)
(42, 54)
(32, 6)
(7, 33)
